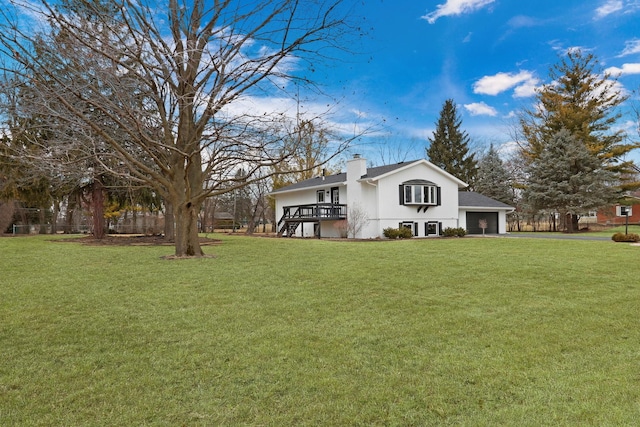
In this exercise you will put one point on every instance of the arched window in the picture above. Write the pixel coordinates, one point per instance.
(419, 192)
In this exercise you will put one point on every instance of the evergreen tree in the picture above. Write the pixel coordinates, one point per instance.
(568, 179)
(449, 148)
(583, 100)
(493, 179)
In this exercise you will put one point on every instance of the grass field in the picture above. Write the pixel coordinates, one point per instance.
(288, 332)
(604, 232)
(619, 229)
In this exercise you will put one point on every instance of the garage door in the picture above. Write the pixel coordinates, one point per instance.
(473, 222)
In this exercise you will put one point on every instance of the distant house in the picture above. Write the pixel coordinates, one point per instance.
(415, 194)
(613, 215)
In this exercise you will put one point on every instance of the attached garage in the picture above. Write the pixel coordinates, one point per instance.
(473, 222)
(474, 207)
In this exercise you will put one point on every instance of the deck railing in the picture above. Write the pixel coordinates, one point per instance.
(316, 211)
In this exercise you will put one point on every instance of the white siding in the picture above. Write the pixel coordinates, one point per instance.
(390, 212)
(379, 197)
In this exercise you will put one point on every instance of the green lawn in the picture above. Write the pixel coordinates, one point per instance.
(288, 332)
(608, 232)
(619, 229)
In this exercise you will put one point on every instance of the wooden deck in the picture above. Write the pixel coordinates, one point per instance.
(293, 216)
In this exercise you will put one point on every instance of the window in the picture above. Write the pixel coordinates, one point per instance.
(431, 228)
(320, 196)
(420, 192)
(624, 211)
(411, 226)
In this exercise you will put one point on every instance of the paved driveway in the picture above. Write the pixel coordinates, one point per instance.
(543, 235)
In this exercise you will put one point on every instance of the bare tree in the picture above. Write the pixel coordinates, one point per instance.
(357, 218)
(308, 142)
(259, 203)
(158, 87)
(389, 150)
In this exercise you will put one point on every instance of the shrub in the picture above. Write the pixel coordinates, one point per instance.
(405, 233)
(454, 232)
(621, 237)
(397, 233)
(391, 233)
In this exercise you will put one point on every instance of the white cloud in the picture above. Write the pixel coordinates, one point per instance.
(359, 113)
(523, 21)
(625, 70)
(630, 47)
(609, 7)
(507, 149)
(527, 89)
(32, 15)
(629, 127)
(455, 7)
(343, 121)
(524, 82)
(480, 109)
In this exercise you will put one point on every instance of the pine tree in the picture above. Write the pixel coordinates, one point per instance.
(493, 179)
(449, 148)
(582, 100)
(568, 179)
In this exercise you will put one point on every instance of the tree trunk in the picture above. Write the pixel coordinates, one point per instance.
(97, 200)
(570, 222)
(203, 221)
(187, 241)
(42, 227)
(54, 217)
(574, 223)
(68, 226)
(7, 209)
(169, 222)
(213, 214)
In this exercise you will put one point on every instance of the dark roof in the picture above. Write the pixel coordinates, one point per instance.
(381, 170)
(314, 182)
(341, 177)
(473, 199)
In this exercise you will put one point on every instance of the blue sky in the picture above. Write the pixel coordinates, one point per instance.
(488, 55)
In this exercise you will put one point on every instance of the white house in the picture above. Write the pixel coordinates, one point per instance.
(415, 194)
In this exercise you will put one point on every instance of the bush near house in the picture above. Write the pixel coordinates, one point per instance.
(454, 232)
(621, 237)
(397, 233)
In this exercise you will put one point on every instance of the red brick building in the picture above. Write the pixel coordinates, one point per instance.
(611, 216)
